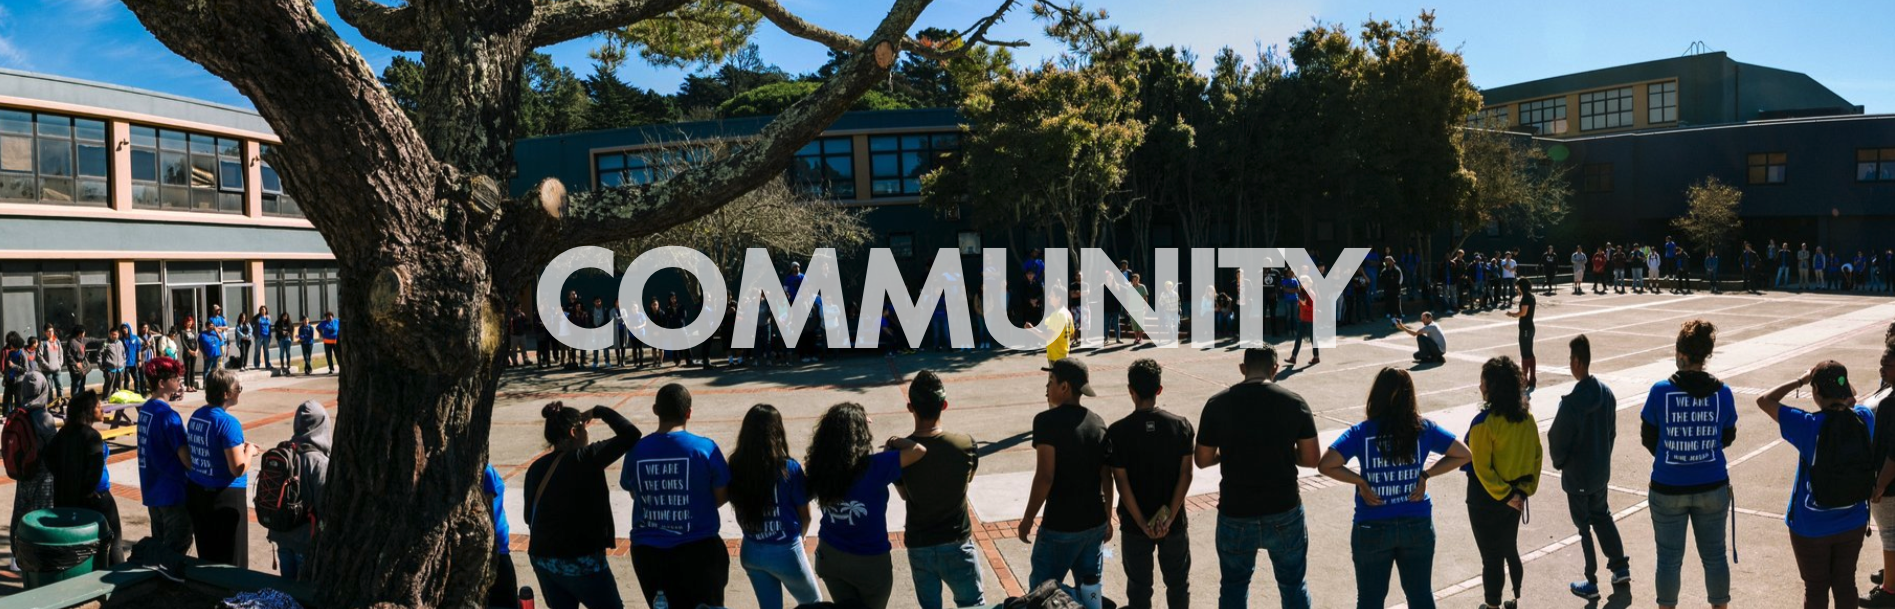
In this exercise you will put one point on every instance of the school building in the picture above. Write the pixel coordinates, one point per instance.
(119, 205)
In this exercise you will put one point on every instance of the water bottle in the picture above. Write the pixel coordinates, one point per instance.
(658, 602)
(526, 597)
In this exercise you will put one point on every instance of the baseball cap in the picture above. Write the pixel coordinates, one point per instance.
(1073, 372)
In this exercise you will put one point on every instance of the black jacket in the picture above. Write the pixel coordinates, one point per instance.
(573, 517)
(1582, 436)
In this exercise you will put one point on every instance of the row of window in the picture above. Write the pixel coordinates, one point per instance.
(823, 168)
(1762, 168)
(62, 293)
(53, 158)
(1604, 109)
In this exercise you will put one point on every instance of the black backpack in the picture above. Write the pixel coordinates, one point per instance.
(280, 505)
(1843, 468)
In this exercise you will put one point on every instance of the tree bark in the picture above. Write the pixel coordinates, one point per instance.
(428, 247)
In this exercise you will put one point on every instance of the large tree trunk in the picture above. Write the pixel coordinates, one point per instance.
(428, 243)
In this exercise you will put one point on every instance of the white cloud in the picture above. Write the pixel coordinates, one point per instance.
(10, 54)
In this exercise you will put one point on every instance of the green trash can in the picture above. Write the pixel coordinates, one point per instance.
(58, 544)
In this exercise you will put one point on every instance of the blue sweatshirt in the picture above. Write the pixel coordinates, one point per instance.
(1689, 419)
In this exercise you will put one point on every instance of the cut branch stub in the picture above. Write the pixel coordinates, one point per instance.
(389, 289)
(552, 196)
(486, 194)
(884, 54)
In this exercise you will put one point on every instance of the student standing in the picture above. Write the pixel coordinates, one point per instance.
(1528, 304)
(1258, 433)
(1580, 260)
(506, 583)
(112, 361)
(677, 480)
(1505, 443)
(1883, 594)
(768, 495)
(246, 336)
(1305, 316)
(306, 338)
(217, 495)
(162, 457)
(35, 488)
(283, 330)
(309, 441)
(1394, 516)
(1580, 443)
(331, 330)
(76, 457)
(567, 486)
(261, 331)
(1070, 480)
(211, 345)
(1696, 418)
(1151, 463)
(51, 358)
(938, 533)
(850, 485)
(75, 355)
(1829, 508)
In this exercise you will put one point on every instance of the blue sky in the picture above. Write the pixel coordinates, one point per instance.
(1840, 43)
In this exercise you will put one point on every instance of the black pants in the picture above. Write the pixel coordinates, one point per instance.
(506, 585)
(690, 575)
(1428, 350)
(309, 355)
(333, 353)
(190, 370)
(1174, 559)
(1497, 535)
(106, 506)
(1828, 565)
(1594, 519)
(221, 520)
(112, 382)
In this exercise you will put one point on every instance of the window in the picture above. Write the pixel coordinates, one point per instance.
(1875, 165)
(63, 293)
(1661, 102)
(902, 245)
(1598, 177)
(1608, 109)
(299, 288)
(50, 158)
(1546, 116)
(275, 201)
(178, 170)
(969, 242)
(1491, 118)
(825, 168)
(641, 167)
(1768, 167)
(896, 163)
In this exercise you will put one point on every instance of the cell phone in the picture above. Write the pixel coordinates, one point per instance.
(1395, 322)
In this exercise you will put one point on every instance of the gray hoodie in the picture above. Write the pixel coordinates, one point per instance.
(312, 433)
(1580, 441)
(51, 357)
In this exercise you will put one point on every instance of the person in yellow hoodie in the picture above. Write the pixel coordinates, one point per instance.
(1505, 443)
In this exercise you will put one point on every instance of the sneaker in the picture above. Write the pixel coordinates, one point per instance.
(1877, 578)
(1622, 576)
(1877, 598)
(1585, 590)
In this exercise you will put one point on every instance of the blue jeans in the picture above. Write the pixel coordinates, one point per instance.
(1381, 545)
(262, 358)
(283, 353)
(1082, 553)
(957, 564)
(1284, 536)
(773, 567)
(289, 563)
(1704, 513)
(566, 583)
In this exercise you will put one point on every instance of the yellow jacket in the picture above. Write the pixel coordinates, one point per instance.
(1506, 454)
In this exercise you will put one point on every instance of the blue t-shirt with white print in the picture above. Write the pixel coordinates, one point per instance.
(1392, 481)
(1690, 434)
(1799, 428)
(784, 526)
(672, 477)
(209, 433)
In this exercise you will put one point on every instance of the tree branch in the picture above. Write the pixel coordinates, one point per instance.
(630, 212)
(574, 19)
(796, 26)
(394, 27)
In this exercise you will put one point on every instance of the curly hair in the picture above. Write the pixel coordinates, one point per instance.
(838, 453)
(162, 368)
(1696, 339)
(757, 464)
(1504, 382)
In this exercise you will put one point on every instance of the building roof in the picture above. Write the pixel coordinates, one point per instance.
(60, 89)
(1716, 89)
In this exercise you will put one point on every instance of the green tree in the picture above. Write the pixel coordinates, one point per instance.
(1415, 99)
(1514, 182)
(616, 104)
(402, 80)
(554, 100)
(742, 71)
(774, 98)
(1163, 172)
(1711, 214)
(429, 245)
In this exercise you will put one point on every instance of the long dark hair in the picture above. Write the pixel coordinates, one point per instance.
(756, 465)
(1505, 395)
(1392, 406)
(838, 453)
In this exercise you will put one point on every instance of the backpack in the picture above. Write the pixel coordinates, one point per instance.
(1842, 469)
(20, 446)
(280, 505)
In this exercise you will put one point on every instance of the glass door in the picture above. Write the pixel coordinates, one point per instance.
(187, 302)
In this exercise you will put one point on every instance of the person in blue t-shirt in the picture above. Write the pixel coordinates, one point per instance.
(306, 338)
(1688, 421)
(850, 484)
(331, 330)
(677, 480)
(134, 348)
(506, 583)
(260, 328)
(211, 345)
(767, 493)
(217, 494)
(1394, 516)
(1827, 539)
(162, 458)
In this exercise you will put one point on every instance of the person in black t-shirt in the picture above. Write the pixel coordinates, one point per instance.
(1151, 462)
(1525, 314)
(1259, 433)
(937, 532)
(1071, 481)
